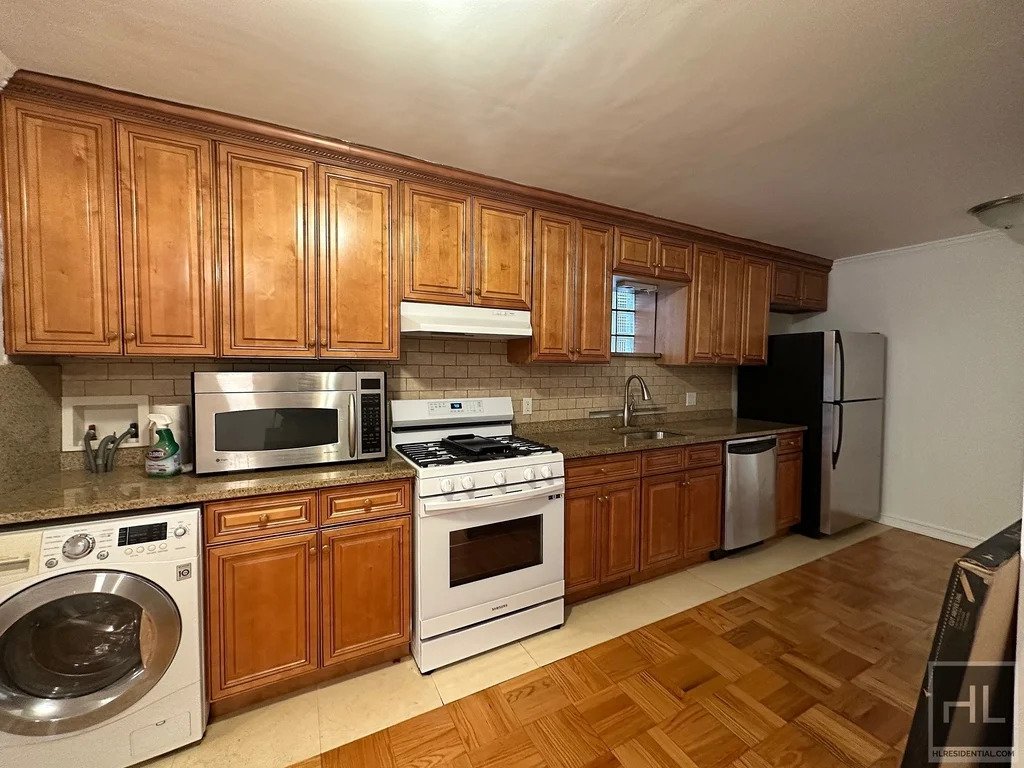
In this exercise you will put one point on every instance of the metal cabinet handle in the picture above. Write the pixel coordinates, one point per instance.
(368, 503)
(325, 548)
(111, 336)
(352, 426)
(312, 549)
(264, 518)
(479, 291)
(130, 336)
(312, 344)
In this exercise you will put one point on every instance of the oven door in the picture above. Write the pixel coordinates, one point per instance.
(487, 556)
(257, 430)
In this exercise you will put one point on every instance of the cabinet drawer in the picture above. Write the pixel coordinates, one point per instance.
(706, 455)
(365, 502)
(791, 442)
(662, 460)
(259, 516)
(623, 466)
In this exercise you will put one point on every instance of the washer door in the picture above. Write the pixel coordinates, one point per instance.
(81, 648)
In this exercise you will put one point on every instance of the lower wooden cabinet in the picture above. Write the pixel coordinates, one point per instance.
(702, 531)
(283, 607)
(263, 621)
(788, 489)
(365, 577)
(601, 534)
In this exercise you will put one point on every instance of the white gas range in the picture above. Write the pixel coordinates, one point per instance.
(488, 527)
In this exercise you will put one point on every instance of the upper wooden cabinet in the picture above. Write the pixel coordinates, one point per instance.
(645, 255)
(635, 253)
(571, 316)
(358, 304)
(799, 289)
(435, 247)
(727, 313)
(268, 263)
(502, 273)
(62, 287)
(167, 241)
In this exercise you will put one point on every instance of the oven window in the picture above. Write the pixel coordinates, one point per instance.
(491, 550)
(275, 429)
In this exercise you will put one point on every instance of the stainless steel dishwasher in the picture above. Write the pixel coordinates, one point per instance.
(749, 516)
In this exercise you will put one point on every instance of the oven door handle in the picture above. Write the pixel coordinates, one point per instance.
(444, 507)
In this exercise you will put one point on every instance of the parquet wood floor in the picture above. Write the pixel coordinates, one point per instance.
(816, 667)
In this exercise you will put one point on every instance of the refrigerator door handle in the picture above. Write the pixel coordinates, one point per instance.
(840, 380)
(839, 436)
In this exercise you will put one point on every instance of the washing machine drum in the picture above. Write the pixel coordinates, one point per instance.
(80, 648)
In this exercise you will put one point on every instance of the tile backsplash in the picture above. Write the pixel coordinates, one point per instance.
(437, 368)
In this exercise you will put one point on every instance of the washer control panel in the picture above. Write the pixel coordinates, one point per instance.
(162, 536)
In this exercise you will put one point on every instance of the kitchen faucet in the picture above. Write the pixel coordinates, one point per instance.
(628, 403)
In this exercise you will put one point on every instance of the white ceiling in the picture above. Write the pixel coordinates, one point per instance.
(834, 127)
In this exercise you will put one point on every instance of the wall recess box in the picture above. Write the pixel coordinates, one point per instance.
(110, 413)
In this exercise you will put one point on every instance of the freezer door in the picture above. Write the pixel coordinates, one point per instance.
(851, 463)
(854, 366)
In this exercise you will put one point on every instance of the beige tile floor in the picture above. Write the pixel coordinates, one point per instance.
(300, 726)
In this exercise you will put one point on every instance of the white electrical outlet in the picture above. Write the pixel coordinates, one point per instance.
(527, 405)
(691, 398)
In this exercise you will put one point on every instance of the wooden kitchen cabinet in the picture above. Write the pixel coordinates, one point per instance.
(620, 529)
(703, 526)
(602, 526)
(167, 241)
(358, 286)
(582, 538)
(789, 471)
(662, 521)
(729, 323)
(756, 296)
(701, 332)
(268, 262)
(366, 579)
(435, 248)
(572, 260)
(635, 253)
(502, 254)
(62, 288)
(263, 622)
(674, 260)
(799, 289)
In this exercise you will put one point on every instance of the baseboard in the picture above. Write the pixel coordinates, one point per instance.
(934, 531)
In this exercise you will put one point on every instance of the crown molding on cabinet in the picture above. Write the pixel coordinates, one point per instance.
(86, 96)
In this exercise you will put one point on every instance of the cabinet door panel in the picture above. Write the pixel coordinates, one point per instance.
(702, 310)
(634, 253)
(167, 245)
(358, 301)
(703, 529)
(63, 289)
(620, 529)
(664, 512)
(435, 245)
(675, 260)
(730, 310)
(788, 490)
(785, 284)
(267, 253)
(814, 290)
(582, 539)
(593, 294)
(262, 618)
(756, 295)
(502, 265)
(554, 248)
(366, 582)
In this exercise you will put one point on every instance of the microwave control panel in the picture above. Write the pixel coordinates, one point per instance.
(371, 415)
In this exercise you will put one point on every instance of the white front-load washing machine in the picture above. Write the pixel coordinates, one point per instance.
(101, 641)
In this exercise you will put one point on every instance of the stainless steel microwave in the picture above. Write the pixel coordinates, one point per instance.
(264, 420)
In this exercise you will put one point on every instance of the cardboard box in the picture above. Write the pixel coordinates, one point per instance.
(965, 710)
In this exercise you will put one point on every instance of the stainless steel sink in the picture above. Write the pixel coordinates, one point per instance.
(648, 434)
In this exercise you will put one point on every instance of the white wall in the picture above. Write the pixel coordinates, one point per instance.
(953, 312)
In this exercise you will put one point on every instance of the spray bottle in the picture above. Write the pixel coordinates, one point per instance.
(164, 457)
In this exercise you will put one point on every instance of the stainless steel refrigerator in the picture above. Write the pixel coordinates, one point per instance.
(833, 383)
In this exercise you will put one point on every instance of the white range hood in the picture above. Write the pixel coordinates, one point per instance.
(420, 319)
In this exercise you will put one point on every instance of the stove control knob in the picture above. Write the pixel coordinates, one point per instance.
(447, 486)
(545, 472)
(467, 482)
(51, 562)
(529, 474)
(180, 531)
(78, 546)
(499, 478)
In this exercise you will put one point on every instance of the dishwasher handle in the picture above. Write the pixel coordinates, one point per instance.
(753, 446)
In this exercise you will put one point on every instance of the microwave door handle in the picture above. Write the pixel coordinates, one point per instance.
(443, 507)
(352, 425)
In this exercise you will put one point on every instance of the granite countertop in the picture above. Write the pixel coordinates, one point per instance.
(78, 493)
(599, 439)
